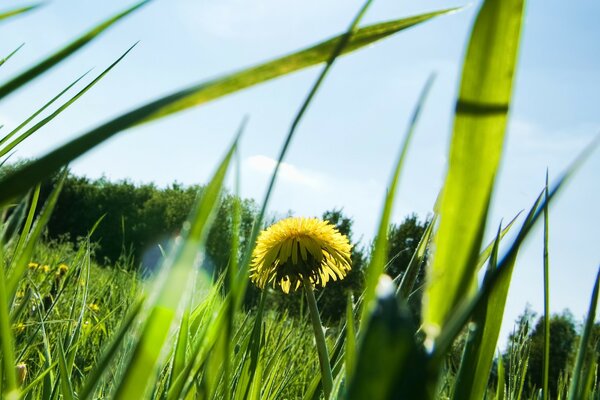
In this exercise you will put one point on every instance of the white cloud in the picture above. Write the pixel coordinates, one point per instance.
(287, 172)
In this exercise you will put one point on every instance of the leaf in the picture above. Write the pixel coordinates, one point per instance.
(31, 173)
(17, 11)
(63, 53)
(12, 53)
(476, 149)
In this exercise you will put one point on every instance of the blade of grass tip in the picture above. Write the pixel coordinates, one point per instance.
(464, 313)
(60, 109)
(485, 254)
(379, 255)
(577, 380)
(336, 48)
(473, 375)
(140, 370)
(546, 370)
(29, 221)
(110, 351)
(65, 376)
(478, 136)
(65, 52)
(6, 338)
(38, 112)
(22, 179)
(17, 11)
(12, 53)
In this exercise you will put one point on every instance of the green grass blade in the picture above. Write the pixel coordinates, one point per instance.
(500, 385)
(65, 376)
(17, 11)
(102, 365)
(577, 386)
(476, 148)
(472, 379)
(63, 53)
(6, 337)
(38, 112)
(350, 350)
(29, 221)
(379, 255)
(28, 175)
(59, 110)
(140, 370)
(12, 53)
(546, 370)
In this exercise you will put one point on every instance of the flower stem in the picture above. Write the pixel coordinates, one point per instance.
(326, 376)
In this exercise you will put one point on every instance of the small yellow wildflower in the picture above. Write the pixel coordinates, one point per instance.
(63, 268)
(19, 328)
(94, 307)
(45, 268)
(20, 294)
(297, 249)
(33, 265)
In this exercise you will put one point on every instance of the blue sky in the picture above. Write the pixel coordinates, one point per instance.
(344, 150)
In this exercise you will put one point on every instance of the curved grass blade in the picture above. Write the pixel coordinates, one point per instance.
(577, 386)
(17, 11)
(65, 376)
(60, 109)
(479, 126)
(140, 370)
(22, 179)
(38, 112)
(63, 53)
(379, 255)
(10, 386)
(12, 53)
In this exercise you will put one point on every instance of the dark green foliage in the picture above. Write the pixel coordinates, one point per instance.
(563, 337)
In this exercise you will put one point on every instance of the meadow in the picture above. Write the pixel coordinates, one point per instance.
(74, 329)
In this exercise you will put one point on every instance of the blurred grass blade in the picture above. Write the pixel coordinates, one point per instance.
(476, 149)
(389, 363)
(379, 256)
(63, 53)
(577, 386)
(65, 376)
(6, 337)
(22, 179)
(141, 368)
(17, 11)
(473, 375)
(350, 340)
(12, 53)
(546, 370)
(500, 384)
(38, 112)
(102, 365)
(60, 109)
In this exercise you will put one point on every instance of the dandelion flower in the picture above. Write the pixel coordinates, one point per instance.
(33, 265)
(63, 268)
(45, 268)
(94, 307)
(297, 249)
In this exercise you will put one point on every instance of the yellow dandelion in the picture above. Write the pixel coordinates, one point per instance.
(33, 265)
(45, 268)
(63, 268)
(94, 307)
(297, 249)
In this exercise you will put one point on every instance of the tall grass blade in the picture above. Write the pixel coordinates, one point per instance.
(577, 386)
(59, 110)
(55, 58)
(476, 148)
(38, 112)
(379, 255)
(6, 338)
(22, 179)
(546, 371)
(12, 53)
(141, 368)
(17, 11)
(65, 376)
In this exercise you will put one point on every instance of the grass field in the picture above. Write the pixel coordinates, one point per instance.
(73, 330)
